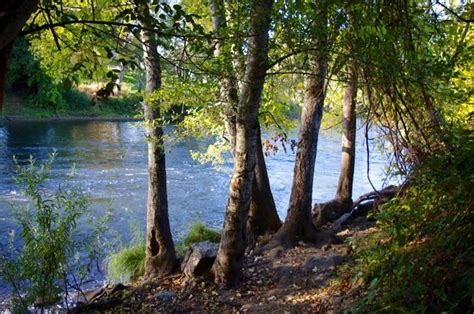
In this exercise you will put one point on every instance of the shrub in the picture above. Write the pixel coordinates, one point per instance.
(127, 264)
(51, 251)
(198, 232)
(421, 257)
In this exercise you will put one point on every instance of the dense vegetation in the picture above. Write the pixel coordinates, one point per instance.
(228, 69)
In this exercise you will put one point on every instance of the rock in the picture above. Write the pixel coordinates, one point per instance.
(313, 263)
(337, 260)
(272, 298)
(199, 259)
(275, 252)
(310, 264)
(165, 296)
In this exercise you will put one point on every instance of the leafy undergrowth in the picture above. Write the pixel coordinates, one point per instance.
(198, 232)
(127, 264)
(421, 256)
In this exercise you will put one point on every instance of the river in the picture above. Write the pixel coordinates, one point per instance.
(110, 164)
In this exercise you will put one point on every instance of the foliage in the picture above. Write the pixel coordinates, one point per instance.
(53, 256)
(198, 232)
(421, 257)
(26, 74)
(128, 262)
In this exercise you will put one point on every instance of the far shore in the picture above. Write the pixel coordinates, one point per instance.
(6, 119)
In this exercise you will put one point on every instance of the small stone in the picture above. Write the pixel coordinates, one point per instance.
(259, 282)
(165, 296)
(337, 259)
(238, 294)
(301, 243)
(190, 297)
(276, 252)
(272, 298)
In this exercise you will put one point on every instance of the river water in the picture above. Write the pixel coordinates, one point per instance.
(110, 164)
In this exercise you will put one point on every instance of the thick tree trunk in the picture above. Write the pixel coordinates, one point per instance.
(298, 225)
(263, 218)
(342, 203)
(13, 16)
(160, 253)
(227, 266)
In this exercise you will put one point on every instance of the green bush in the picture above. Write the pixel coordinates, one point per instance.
(198, 232)
(127, 264)
(421, 258)
(52, 250)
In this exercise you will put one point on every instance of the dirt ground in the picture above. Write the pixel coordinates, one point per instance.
(306, 278)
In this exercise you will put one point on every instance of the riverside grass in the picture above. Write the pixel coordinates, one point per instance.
(127, 264)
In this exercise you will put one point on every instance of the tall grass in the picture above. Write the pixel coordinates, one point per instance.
(127, 264)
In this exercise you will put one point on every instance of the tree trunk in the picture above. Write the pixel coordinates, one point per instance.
(342, 203)
(4, 60)
(160, 253)
(346, 176)
(263, 218)
(13, 16)
(298, 225)
(227, 266)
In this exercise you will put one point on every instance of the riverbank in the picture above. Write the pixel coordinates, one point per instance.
(75, 104)
(307, 278)
(5, 119)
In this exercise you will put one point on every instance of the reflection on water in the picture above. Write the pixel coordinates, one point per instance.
(110, 159)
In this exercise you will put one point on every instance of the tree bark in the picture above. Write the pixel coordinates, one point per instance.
(227, 266)
(263, 218)
(342, 203)
(4, 60)
(346, 176)
(13, 16)
(160, 254)
(298, 225)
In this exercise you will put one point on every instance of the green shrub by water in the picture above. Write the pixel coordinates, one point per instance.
(50, 250)
(198, 232)
(421, 259)
(127, 264)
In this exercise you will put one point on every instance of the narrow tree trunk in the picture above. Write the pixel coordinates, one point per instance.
(227, 266)
(4, 60)
(160, 253)
(263, 218)
(342, 203)
(298, 225)
(346, 176)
